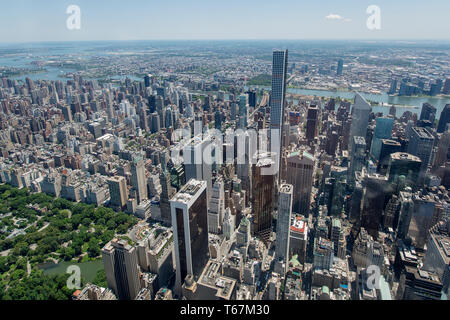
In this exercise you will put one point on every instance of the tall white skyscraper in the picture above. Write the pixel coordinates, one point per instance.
(216, 207)
(360, 118)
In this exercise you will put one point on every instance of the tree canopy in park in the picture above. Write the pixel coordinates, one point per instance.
(52, 229)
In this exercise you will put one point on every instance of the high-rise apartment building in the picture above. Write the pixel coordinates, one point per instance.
(118, 191)
(121, 268)
(138, 180)
(300, 168)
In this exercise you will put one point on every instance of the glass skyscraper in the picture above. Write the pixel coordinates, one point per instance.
(279, 68)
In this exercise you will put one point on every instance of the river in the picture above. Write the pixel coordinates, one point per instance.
(403, 103)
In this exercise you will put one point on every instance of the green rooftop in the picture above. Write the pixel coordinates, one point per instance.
(326, 290)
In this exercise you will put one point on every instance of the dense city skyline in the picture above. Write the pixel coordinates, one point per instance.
(230, 170)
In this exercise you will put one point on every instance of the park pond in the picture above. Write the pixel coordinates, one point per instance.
(88, 269)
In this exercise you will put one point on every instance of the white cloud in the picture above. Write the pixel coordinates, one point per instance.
(333, 16)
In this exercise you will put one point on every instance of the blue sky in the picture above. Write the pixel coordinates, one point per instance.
(45, 20)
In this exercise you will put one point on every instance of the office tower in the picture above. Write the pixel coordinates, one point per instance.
(277, 100)
(335, 234)
(298, 238)
(356, 200)
(340, 67)
(387, 148)
(360, 118)
(154, 254)
(437, 257)
(358, 156)
(30, 84)
(118, 191)
(148, 80)
(383, 130)
(264, 182)
(155, 123)
(403, 170)
(169, 117)
(121, 268)
(422, 219)
(376, 189)
(67, 113)
(243, 111)
(251, 98)
(444, 119)
(138, 180)
(218, 120)
(190, 228)
(391, 212)
(167, 193)
(393, 87)
(143, 120)
(244, 151)
(332, 143)
(366, 251)
(233, 111)
(229, 223)
(323, 253)
(284, 222)
(420, 285)
(428, 112)
(216, 208)
(300, 166)
(405, 214)
(243, 233)
(335, 192)
(446, 89)
(443, 150)
(421, 145)
(312, 122)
